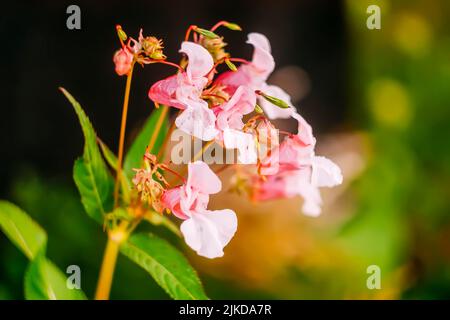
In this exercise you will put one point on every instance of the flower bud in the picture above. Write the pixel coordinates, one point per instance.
(232, 26)
(120, 33)
(230, 65)
(123, 60)
(275, 101)
(206, 33)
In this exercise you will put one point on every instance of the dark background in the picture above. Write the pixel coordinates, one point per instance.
(37, 125)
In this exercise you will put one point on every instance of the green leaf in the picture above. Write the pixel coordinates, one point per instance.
(111, 159)
(26, 234)
(91, 175)
(44, 281)
(133, 158)
(166, 265)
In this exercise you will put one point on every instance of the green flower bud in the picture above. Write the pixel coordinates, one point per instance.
(278, 102)
(232, 26)
(230, 65)
(206, 33)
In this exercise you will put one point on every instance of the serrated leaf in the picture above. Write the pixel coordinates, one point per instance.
(26, 234)
(166, 265)
(135, 154)
(44, 281)
(91, 175)
(96, 195)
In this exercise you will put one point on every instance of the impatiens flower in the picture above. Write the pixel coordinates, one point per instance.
(304, 181)
(230, 125)
(184, 90)
(293, 169)
(205, 231)
(255, 74)
(123, 60)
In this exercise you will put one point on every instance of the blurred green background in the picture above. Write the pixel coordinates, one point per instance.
(393, 143)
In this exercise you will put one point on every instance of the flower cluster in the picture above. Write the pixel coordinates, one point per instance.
(234, 109)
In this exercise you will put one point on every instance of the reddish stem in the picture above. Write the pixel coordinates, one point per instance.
(188, 31)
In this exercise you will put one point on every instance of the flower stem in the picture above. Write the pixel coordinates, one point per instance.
(115, 238)
(122, 135)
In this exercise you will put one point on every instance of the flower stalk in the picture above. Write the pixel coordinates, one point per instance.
(122, 135)
(115, 238)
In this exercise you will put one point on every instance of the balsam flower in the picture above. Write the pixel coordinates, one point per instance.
(229, 123)
(293, 169)
(255, 74)
(205, 231)
(184, 91)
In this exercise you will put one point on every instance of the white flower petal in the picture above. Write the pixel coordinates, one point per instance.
(325, 173)
(198, 120)
(209, 232)
(244, 142)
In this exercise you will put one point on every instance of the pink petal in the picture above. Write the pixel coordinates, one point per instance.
(202, 178)
(304, 131)
(164, 92)
(232, 80)
(262, 58)
(231, 112)
(274, 187)
(209, 232)
(171, 200)
(199, 59)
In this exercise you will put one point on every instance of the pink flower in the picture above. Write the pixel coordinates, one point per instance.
(205, 231)
(255, 74)
(293, 153)
(122, 60)
(184, 90)
(294, 169)
(229, 123)
(304, 181)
